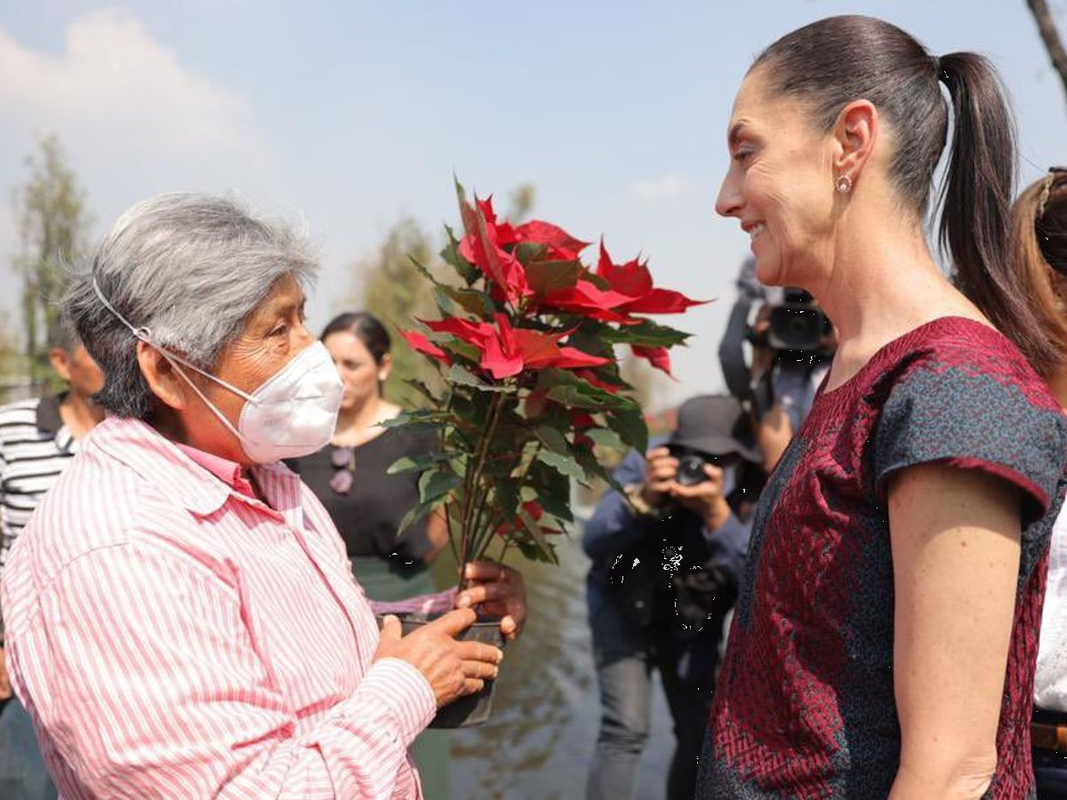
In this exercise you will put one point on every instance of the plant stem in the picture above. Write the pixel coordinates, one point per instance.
(472, 482)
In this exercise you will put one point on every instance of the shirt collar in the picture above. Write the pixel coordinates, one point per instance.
(200, 482)
(229, 472)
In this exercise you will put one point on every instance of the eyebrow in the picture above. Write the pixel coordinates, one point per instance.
(734, 136)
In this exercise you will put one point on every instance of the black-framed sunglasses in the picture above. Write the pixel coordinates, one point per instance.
(343, 461)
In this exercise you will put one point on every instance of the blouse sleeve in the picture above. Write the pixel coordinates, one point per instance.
(966, 417)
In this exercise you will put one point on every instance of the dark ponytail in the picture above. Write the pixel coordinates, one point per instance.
(976, 202)
(834, 61)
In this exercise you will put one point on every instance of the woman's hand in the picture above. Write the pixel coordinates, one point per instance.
(500, 590)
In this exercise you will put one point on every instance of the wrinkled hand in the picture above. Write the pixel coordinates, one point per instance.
(660, 470)
(704, 499)
(452, 668)
(5, 684)
(500, 590)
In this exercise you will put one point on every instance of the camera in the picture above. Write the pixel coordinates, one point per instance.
(788, 322)
(691, 470)
(796, 323)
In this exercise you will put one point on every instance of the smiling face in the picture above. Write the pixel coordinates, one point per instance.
(780, 184)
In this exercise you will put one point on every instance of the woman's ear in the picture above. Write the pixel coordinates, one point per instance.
(60, 361)
(385, 367)
(855, 135)
(161, 377)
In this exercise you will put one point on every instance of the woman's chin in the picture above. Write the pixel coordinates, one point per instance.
(768, 269)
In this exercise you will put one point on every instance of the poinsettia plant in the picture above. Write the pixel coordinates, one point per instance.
(526, 345)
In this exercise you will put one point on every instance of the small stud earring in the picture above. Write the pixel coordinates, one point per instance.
(844, 184)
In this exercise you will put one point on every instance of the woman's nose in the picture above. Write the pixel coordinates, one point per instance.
(730, 200)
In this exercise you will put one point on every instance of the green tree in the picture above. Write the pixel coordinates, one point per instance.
(391, 288)
(50, 208)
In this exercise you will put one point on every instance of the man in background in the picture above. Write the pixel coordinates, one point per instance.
(38, 438)
(667, 558)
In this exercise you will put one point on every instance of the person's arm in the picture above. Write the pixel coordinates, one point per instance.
(614, 525)
(171, 695)
(955, 539)
(437, 533)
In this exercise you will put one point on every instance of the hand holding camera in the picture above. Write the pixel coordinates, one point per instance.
(692, 480)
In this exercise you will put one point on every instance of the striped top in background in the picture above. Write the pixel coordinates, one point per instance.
(173, 636)
(35, 446)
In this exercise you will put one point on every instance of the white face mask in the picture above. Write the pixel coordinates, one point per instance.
(292, 414)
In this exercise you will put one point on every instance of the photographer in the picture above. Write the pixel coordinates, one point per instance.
(792, 344)
(667, 554)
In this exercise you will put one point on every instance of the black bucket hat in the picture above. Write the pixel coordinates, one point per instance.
(716, 425)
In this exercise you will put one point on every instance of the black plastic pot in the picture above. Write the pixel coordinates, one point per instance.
(473, 709)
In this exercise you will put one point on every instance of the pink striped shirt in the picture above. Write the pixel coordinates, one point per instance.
(172, 636)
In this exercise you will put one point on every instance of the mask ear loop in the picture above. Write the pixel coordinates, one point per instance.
(144, 334)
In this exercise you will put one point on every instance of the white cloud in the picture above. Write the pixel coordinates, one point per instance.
(120, 92)
(666, 186)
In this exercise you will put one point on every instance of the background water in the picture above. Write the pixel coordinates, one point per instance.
(546, 710)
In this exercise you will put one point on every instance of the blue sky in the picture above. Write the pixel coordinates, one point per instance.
(351, 114)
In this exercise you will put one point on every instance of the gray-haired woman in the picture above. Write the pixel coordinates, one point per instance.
(181, 618)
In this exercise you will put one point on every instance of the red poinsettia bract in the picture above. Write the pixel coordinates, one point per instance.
(506, 351)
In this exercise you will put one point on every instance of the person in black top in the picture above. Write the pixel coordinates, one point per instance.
(350, 477)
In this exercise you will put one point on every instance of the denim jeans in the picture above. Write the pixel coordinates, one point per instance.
(23, 775)
(625, 657)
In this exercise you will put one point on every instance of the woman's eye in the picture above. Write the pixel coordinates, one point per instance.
(741, 156)
(279, 331)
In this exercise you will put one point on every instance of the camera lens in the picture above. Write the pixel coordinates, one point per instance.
(691, 471)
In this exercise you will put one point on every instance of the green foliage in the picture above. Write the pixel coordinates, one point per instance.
(529, 386)
(53, 223)
(394, 289)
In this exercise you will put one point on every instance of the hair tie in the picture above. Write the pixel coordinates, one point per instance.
(942, 73)
(1046, 189)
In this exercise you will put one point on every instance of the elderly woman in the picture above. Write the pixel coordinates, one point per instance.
(181, 617)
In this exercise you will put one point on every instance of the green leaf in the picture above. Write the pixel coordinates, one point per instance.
(507, 498)
(563, 464)
(548, 276)
(410, 463)
(472, 300)
(630, 424)
(457, 374)
(538, 536)
(553, 439)
(423, 389)
(647, 333)
(557, 507)
(528, 252)
(437, 484)
(573, 392)
(414, 515)
(534, 553)
(450, 255)
(605, 437)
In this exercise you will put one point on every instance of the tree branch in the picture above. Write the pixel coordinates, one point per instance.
(1051, 37)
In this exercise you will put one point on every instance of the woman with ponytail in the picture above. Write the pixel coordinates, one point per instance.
(885, 638)
(1039, 247)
